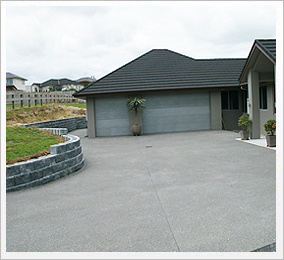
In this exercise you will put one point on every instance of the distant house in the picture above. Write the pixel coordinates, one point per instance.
(34, 87)
(258, 82)
(182, 94)
(15, 82)
(10, 87)
(63, 84)
(86, 80)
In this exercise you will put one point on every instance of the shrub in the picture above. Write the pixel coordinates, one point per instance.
(244, 122)
(270, 127)
(136, 104)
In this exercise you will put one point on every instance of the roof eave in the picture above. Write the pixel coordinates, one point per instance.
(252, 51)
(151, 89)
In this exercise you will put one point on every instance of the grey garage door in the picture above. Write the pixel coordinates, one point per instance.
(176, 111)
(112, 117)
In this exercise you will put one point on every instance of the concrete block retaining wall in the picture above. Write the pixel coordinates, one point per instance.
(56, 131)
(65, 158)
(71, 124)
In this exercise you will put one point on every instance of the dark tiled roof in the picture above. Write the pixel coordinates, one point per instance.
(268, 47)
(86, 79)
(59, 82)
(10, 75)
(162, 69)
(37, 84)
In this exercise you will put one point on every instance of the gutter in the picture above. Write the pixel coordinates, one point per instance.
(150, 89)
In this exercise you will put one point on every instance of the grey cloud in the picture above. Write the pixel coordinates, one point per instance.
(46, 42)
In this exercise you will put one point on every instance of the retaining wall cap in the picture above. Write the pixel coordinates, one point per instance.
(57, 148)
(55, 120)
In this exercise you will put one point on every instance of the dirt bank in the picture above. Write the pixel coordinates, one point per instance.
(44, 113)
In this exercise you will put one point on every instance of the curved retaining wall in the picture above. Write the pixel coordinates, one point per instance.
(71, 123)
(64, 158)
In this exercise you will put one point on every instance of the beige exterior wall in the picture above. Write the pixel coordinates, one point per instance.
(253, 95)
(215, 110)
(231, 118)
(33, 88)
(266, 114)
(91, 127)
(44, 89)
(28, 88)
(19, 84)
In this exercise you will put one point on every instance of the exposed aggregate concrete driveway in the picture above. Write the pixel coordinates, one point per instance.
(191, 192)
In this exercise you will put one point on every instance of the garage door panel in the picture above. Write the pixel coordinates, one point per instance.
(176, 123)
(176, 111)
(182, 111)
(170, 111)
(112, 117)
(175, 100)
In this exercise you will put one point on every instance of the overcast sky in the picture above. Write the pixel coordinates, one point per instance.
(44, 42)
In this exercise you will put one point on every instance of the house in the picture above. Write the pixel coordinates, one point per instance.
(15, 82)
(34, 87)
(86, 80)
(10, 87)
(258, 82)
(181, 94)
(57, 85)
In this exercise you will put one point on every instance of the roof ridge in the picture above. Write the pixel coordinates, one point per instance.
(14, 75)
(163, 65)
(177, 53)
(95, 82)
(268, 39)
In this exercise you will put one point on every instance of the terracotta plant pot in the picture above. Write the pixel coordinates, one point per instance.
(136, 130)
(271, 140)
(244, 135)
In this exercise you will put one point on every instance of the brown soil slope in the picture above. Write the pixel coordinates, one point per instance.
(44, 113)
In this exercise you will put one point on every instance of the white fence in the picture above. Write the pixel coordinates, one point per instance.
(36, 98)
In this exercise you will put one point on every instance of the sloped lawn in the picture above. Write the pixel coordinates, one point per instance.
(26, 143)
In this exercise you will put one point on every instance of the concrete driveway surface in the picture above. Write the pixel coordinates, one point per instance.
(197, 191)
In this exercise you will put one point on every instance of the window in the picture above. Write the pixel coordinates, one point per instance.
(263, 97)
(230, 99)
(9, 81)
(23, 82)
(274, 101)
(244, 101)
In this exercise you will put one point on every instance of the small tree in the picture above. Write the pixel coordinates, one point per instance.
(244, 122)
(136, 104)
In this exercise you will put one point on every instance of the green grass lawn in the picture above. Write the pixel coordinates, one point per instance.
(80, 105)
(26, 143)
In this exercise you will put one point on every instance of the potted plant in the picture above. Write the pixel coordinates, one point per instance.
(270, 128)
(244, 122)
(136, 104)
